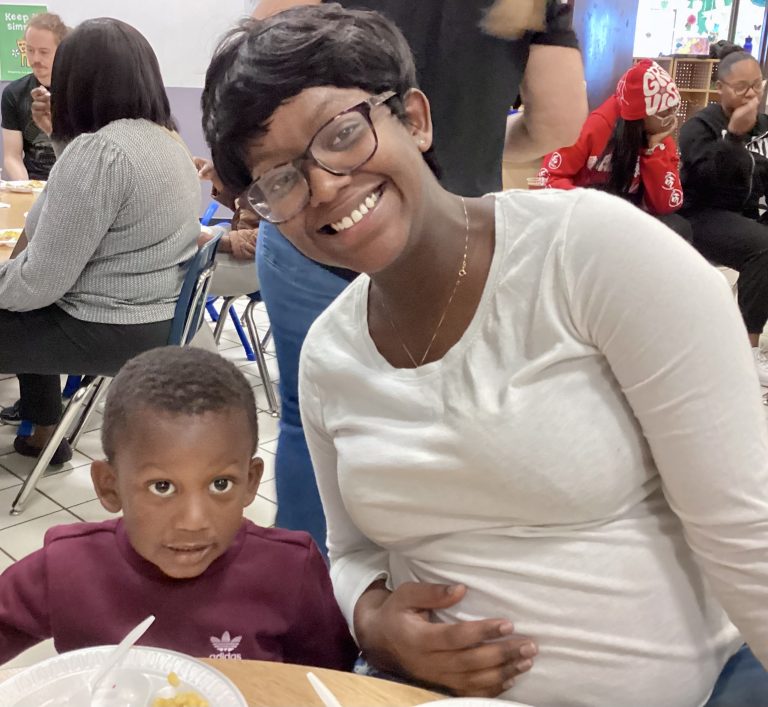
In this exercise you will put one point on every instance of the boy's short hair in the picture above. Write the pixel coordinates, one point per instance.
(50, 21)
(176, 380)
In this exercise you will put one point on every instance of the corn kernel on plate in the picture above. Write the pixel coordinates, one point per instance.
(149, 677)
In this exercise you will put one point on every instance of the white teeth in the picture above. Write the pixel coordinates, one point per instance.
(357, 214)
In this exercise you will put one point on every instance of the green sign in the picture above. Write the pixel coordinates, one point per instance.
(13, 55)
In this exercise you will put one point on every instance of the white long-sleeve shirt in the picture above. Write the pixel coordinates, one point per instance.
(590, 459)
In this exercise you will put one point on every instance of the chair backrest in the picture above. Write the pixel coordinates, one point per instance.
(190, 307)
(210, 212)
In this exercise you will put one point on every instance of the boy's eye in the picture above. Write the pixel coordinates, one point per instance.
(162, 488)
(221, 485)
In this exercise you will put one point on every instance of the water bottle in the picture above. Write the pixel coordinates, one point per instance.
(748, 45)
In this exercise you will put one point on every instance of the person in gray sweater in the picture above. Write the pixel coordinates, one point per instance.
(99, 280)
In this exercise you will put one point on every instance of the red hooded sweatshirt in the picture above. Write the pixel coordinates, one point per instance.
(581, 165)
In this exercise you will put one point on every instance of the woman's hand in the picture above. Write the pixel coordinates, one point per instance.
(655, 139)
(41, 109)
(478, 658)
(744, 118)
(243, 243)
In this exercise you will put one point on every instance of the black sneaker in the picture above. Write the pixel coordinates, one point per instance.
(11, 415)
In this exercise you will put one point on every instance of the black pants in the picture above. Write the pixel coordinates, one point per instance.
(679, 225)
(735, 241)
(42, 344)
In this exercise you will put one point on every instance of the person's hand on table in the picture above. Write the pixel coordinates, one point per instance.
(41, 109)
(470, 658)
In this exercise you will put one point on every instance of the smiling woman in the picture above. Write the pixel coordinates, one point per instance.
(443, 396)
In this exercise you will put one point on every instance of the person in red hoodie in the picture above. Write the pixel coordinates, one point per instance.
(626, 147)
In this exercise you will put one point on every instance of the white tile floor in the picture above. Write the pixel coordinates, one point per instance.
(69, 497)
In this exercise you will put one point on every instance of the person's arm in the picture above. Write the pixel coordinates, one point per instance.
(718, 167)
(561, 167)
(265, 8)
(13, 142)
(553, 91)
(24, 617)
(670, 330)
(91, 172)
(320, 635)
(660, 175)
(13, 156)
(394, 628)
(554, 100)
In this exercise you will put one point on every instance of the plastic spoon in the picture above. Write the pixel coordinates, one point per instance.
(325, 695)
(116, 656)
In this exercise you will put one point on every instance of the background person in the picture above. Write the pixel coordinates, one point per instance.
(626, 147)
(27, 150)
(725, 174)
(110, 233)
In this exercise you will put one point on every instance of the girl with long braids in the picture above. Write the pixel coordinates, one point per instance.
(626, 147)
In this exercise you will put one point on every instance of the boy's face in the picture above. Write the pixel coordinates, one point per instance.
(182, 482)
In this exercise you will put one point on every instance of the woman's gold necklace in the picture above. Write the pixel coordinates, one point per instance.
(462, 273)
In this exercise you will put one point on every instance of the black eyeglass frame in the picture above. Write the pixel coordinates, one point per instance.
(261, 206)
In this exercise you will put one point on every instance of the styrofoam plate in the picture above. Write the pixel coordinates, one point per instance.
(60, 681)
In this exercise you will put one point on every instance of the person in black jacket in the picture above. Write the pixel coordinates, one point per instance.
(724, 151)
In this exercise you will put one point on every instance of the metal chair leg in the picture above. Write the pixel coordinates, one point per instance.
(267, 337)
(260, 360)
(67, 419)
(222, 320)
(100, 384)
(244, 341)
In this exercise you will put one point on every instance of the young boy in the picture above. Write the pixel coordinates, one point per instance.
(179, 435)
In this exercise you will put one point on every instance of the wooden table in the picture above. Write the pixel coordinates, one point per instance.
(13, 217)
(281, 685)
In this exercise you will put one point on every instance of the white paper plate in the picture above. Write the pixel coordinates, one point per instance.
(472, 702)
(22, 186)
(47, 684)
(9, 236)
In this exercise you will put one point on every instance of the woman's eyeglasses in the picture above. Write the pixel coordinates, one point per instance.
(741, 88)
(342, 145)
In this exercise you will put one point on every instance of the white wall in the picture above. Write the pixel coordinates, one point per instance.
(183, 33)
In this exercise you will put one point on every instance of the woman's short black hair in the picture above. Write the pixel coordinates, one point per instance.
(105, 70)
(730, 60)
(263, 63)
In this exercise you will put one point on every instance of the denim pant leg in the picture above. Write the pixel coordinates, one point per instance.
(295, 290)
(743, 682)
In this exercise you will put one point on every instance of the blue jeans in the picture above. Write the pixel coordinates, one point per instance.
(743, 682)
(295, 290)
